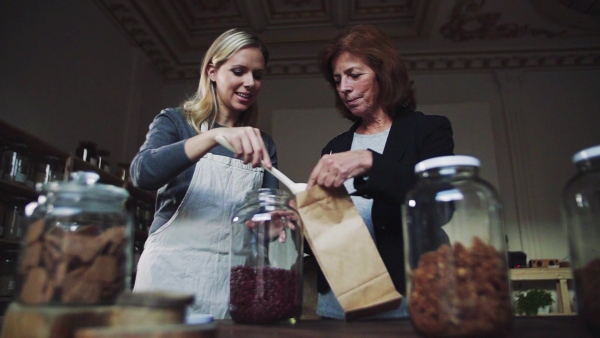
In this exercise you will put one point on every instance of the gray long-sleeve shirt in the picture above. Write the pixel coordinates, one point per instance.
(161, 164)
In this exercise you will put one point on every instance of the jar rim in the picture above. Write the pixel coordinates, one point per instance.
(586, 154)
(447, 161)
(84, 183)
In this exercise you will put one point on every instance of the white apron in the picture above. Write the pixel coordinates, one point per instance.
(191, 252)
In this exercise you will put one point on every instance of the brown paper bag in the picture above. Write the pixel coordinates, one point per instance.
(346, 253)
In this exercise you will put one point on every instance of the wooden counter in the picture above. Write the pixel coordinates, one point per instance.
(523, 327)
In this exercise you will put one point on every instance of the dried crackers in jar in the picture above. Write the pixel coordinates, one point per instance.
(77, 246)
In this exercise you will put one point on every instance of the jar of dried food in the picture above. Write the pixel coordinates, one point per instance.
(266, 259)
(457, 275)
(581, 215)
(16, 163)
(77, 248)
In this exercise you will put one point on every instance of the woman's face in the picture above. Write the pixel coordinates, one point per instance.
(356, 84)
(238, 80)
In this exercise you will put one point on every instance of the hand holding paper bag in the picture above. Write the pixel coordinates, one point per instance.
(346, 253)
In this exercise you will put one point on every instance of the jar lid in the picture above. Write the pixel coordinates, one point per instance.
(82, 182)
(447, 161)
(586, 154)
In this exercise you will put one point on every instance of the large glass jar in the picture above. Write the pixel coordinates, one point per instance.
(581, 215)
(455, 255)
(266, 259)
(77, 247)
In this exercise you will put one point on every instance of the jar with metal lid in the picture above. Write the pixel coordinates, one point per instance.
(266, 259)
(87, 151)
(77, 248)
(581, 219)
(457, 275)
(8, 270)
(16, 163)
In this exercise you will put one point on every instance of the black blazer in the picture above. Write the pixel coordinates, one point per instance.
(413, 137)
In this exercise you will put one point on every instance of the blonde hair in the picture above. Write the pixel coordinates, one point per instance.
(202, 106)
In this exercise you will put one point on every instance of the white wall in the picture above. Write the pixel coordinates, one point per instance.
(68, 74)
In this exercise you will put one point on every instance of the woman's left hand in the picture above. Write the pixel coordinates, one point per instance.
(332, 170)
(277, 224)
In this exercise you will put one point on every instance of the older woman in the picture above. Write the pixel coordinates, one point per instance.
(375, 159)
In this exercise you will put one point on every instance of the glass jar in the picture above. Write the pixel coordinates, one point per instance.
(581, 219)
(87, 151)
(49, 169)
(266, 259)
(123, 171)
(2, 150)
(455, 256)
(8, 270)
(104, 160)
(16, 162)
(3, 209)
(77, 248)
(14, 218)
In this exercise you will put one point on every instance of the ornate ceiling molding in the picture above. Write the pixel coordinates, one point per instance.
(174, 34)
(469, 21)
(584, 58)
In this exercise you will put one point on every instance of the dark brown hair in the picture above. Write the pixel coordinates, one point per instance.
(375, 48)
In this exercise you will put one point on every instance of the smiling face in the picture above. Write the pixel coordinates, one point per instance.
(356, 85)
(238, 80)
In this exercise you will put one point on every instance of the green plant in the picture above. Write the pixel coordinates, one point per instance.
(529, 303)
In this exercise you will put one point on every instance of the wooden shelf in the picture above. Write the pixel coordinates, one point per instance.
(560, 275)
(10, 244)
(38, 149)
(540, 274)
(17, 189)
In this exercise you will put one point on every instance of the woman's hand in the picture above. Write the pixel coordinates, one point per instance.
(277, 223)
(246, 141)
(332, 170)
(248, 144)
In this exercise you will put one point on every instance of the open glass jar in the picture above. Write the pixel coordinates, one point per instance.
(581, 219)
(266, 259)
(77, 247)
(457, 275)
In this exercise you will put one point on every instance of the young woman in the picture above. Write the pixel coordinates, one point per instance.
(200, 184)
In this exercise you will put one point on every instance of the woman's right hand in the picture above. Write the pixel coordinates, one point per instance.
(246, 141)
(248, 144)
